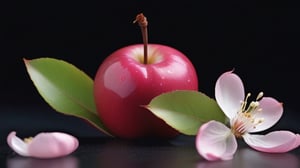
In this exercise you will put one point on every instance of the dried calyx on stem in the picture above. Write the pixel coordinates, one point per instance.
(143, 23)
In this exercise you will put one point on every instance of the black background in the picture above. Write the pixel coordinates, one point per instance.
(259, 39)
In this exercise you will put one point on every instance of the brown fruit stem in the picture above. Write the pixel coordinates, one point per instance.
(143, 23)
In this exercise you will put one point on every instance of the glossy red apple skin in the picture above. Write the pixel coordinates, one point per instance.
(123, 84)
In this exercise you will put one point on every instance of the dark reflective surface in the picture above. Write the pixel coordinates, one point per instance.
(247, 158)
(180, 152)
(97, 151)
(21, 162)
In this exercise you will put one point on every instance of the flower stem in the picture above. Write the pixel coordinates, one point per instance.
(143, 23)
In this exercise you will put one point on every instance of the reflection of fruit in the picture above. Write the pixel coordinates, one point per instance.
(144, 153)
(130, 78)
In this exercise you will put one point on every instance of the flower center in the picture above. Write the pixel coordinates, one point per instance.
(246, 117)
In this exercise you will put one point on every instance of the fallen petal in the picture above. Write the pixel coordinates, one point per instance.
(215, 141)
(274, 142)
(44, 145)
(17, 144)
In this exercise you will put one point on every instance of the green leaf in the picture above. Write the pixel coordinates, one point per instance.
(65, 88)
(186, 111)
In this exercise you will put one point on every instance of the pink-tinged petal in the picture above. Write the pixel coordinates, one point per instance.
(44, 145)
(215, 141)
(271, 112)
(17, 144)
(273, 142)
(54, 144)
(229, 93)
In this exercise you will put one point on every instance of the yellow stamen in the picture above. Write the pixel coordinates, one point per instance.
(244, 103)
(259, 96)
(245, 118)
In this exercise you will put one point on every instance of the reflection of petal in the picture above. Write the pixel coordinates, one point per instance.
(247, 158)
(21, 162)
(250, 159)
(222, 164)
